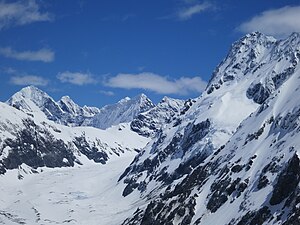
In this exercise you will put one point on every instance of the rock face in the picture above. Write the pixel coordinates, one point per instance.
(150, 122)
(233, 156)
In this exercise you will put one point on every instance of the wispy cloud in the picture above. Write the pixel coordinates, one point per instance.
(21, 78)
(188, 12)
(44, 55)
(107, 93)
(157, 83)
(277, 22)
(76, 78)
(21, 13)
(29, 80)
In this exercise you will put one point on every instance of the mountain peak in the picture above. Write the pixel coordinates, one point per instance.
(123, 100)
(256, 35)
(143, 100)
(122, 112)
(69, 106)
(245, 55)
(251, 41)
(29, 93)
(142, 96)
(66, 98)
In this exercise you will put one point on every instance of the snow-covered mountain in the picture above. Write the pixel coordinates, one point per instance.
(34, 141)
(123, 111)
(150, 122)
(32, 100)
(230, 156)
(233, 158)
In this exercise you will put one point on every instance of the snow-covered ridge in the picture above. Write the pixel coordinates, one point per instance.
(34, 101)
(248, 55)
(210, 159)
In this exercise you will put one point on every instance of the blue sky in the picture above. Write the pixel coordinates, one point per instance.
(98, 52)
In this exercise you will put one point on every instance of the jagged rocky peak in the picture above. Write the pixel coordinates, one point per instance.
(68, 105)
(34, 101)
(254, 39)
(171, 102)
(31, 93)
(246, 54)
(123, 111)
(289, 47)
(31, 99)
(150, 122)
(251, 45)
(250, 58)
(141, 100)
(145, 102)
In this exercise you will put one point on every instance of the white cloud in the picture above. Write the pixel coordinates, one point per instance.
(188, 12)
(277, 22)
(76, 78)
(29, 80)
(157, 83)
(44, 55)
(21, 13)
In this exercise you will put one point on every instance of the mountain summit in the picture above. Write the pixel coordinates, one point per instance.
(123, 111)
(34, 101)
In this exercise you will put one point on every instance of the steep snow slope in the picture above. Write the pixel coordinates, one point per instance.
(199, 177)
(123, 111)
(37, 142)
